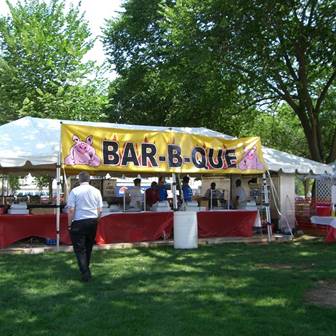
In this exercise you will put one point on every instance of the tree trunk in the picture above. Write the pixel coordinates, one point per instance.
(332, 151)
(311, 132)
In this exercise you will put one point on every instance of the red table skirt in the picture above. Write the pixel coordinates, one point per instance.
(323, 210)
(127, 227)
(16, 227)
(331, 235)
(234, 223)
(135, 227)
(131, 227)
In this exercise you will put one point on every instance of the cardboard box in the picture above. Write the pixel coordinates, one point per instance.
(42, 211)
(74, 182)
(109, 188)
(97, 184)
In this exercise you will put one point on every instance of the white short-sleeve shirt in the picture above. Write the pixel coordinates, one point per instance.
(242, 201)
(86, 200)
(136, 198)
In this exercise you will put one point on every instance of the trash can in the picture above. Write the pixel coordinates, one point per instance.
(185, 230)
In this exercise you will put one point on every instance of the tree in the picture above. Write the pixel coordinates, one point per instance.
(150, 90)
(218, 58)
(14, 183)
(42, 72)
(42, 181)
(279, 130)
(280, 51)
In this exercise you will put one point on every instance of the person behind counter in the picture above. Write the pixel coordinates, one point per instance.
(152, 195)
(186, 189)
(240, 199)
(213, 195)
(162, 187)
(136, 198)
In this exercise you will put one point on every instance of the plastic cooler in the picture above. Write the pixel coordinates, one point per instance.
(51, 241)
(323, 209)
(185, 230)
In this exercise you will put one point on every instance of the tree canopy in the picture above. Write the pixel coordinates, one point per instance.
(42, 72)
(207, 62)
(152, 87)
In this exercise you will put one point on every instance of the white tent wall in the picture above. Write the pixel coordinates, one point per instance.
(283, 207)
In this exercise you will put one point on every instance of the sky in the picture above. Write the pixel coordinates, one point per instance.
(96, 11)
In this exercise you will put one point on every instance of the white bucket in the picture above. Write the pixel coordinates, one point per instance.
(185, 230)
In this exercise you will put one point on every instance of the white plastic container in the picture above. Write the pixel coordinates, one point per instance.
(185, 230)
(18, 211)
(192, 206)
(161, 207)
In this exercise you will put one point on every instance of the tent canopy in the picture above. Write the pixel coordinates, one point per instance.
(32, 144)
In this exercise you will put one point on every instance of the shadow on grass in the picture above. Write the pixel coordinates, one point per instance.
(231, 289)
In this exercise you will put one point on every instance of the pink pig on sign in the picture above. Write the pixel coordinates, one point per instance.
(250, 160)
(82, 153)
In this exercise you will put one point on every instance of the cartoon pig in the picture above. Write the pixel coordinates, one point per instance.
(82, 153)
(250, 160)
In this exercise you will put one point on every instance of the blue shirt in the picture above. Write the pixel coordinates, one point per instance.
(163, 195)
(187, 193)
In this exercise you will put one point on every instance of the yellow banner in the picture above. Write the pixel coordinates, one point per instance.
(111, 149)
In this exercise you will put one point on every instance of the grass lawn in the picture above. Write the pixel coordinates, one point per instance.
(230, 289)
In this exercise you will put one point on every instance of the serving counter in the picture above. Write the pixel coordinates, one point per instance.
(128, 227)
(134, 227)
(16, 227)
(226, 223)
(113, 228)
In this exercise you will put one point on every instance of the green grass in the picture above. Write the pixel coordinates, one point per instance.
(231, 289)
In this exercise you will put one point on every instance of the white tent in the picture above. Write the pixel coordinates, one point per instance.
(279, 161)
(33, 144)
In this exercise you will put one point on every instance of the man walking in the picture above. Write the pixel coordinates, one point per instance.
(84, 210)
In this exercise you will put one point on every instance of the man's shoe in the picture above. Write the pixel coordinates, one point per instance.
(86, 277)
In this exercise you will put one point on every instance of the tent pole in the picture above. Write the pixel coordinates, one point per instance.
(144, 200)
(7, 186)
(50, 189)
(3, 190)
(174, 191)
(183, 206)
(267, 208)
(211, 208)
(58, 191)
(228, 198)
(58, 200)
(66, 186)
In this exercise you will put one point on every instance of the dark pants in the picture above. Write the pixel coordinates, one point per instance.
(214, 203)
(83, 233)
